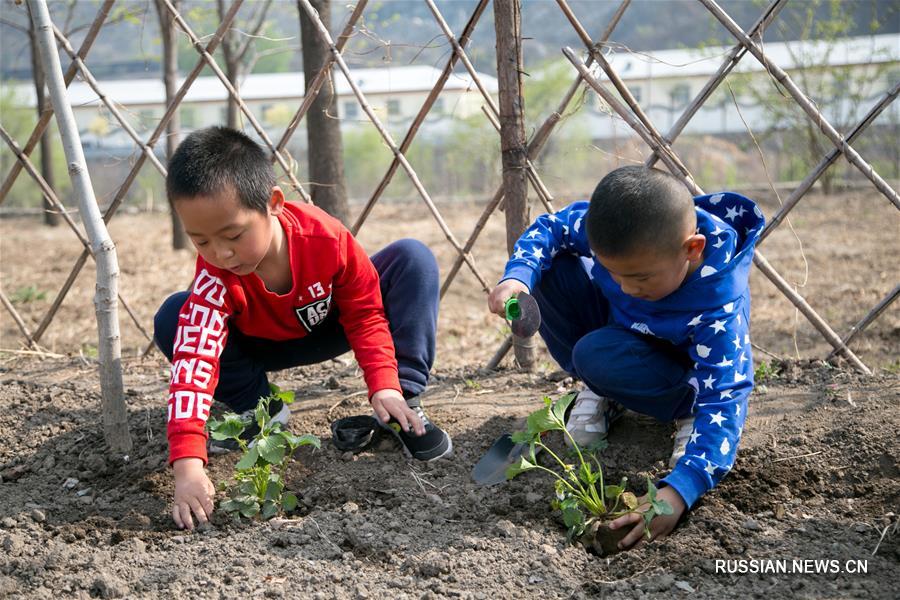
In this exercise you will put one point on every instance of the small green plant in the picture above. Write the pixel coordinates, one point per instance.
(581, 496)
(27, 294)
(260, 471)
(766, 371)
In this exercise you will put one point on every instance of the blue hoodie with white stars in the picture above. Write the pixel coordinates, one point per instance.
(708, 317)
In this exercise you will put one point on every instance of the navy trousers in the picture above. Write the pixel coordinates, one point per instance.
(641, 372)
(410, 291)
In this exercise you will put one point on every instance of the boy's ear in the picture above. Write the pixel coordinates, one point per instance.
(276, 202)
(694, 247)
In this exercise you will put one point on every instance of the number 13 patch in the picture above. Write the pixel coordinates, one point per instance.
(314, 313)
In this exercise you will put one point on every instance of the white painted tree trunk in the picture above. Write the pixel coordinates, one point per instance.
(115, 415)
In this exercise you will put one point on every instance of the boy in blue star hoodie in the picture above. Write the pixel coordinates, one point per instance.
(644, 296)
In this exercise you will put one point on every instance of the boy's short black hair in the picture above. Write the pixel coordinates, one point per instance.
(635, 208)
(213, 160)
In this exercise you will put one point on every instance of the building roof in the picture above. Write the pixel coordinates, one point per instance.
(787, 55)
(268, 86)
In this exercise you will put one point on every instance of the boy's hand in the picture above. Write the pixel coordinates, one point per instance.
(660, 526)
(389, 403)
(193, 492)
(503, 292)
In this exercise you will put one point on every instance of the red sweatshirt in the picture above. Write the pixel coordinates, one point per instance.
(327, 265)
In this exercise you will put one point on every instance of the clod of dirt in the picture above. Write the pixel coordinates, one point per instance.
(599, 539)
(108, 586)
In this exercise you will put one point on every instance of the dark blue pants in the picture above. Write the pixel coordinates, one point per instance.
(410, 291)
(643, 373)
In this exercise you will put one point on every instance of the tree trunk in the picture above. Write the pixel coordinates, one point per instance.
(170, 81)
(51, 218)
(323, 128)
(507, 23)
(112, 397)
(232, 67)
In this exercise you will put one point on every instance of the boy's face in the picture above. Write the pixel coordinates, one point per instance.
(228, 235)
(653, 274)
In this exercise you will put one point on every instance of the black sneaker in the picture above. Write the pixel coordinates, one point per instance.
(432, 445)
(278, 410)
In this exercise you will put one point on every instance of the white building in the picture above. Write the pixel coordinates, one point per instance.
(664, 82)
(395, 93)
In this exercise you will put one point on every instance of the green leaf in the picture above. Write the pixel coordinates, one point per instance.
(230, 506)
(271, 448)
(662, 507)
(520, 467)
(250, 510)
(522, 437)
(286, 396)
(542, 420)
(597, 445)
(574, 521)
(269, 510)
(273, 491)
(586, 475)
(261, 414)
(230, 427)
(295, 441)
(248, 461)
(247, 488)
(613, 491)
(561, 406)
(651, 491)
(289, 501)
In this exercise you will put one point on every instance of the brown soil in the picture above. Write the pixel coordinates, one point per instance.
(817, 476)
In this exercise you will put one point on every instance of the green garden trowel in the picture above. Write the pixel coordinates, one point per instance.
(523, 314)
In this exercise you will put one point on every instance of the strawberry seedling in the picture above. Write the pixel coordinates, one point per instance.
(581, 497)
(260, 471)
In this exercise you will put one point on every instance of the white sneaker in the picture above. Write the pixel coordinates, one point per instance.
(590, 417)
(683, 430)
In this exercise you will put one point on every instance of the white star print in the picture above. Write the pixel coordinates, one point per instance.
(519, 253)
(725, 394)
(726, 362)
(553, 252)
(718, 326)
(695, 321)
(577, 225)
(706, 271)
(739, 318)
(737, 410)
(725, 447)
(703, 351)
(743, 358)
(703, 456)
(746, 338)
(716, 199)
(718, 243)
(565, 230)
(731, 213)
(717, 230)
(728, 307)
(538, 253)
(738, 377)
(694, 436)
(741, 211)
(727, 256)
(533, 234)
(737, 342)
(717, 418)
(709, 468)
(552, 218)
(708, 382)
(693, 383)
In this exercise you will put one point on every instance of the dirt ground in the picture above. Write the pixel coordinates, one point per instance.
(817, 477)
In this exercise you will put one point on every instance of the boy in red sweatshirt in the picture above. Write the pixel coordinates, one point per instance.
(279, 285)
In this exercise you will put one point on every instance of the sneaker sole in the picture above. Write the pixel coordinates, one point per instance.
(406, 452)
